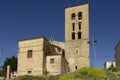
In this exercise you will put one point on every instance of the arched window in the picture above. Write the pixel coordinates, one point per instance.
(79, 15)
(79, 25)
(76, 67)
(73, 26)
(79, 35)
(76, 49)
(73, 16)
(73, 35)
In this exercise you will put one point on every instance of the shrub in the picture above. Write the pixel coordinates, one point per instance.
(81, 74)
(85, 74)
(53, 78)
(90, 73)
(26, 77)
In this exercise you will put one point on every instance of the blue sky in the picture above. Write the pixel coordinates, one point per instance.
(30, 18)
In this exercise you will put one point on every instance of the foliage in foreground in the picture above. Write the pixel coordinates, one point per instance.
(12, 61)
(81, 74)
(28, 77)
(113, 73)
(85, 74)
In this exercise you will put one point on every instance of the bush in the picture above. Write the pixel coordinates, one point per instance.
(81, 74)
(110, 75)
(85, 74)
(30, 78)
(52, 78)
(2, 73)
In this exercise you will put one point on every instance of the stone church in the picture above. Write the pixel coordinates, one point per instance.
(38, 56)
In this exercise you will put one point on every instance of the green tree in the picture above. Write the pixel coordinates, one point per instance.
(12, 62)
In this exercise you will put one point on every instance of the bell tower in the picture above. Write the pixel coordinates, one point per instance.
(77, 36)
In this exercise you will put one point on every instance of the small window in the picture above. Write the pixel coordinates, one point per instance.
(79, 35)
(51, 61)
(79, 15)
(76, 49)
(29, 54)
(73, 35)
(79, 25)
(73, 16)
(73, 26)
(76, 67)
(63, 52)
(29, 72)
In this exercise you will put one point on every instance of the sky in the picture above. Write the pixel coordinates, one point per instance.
(21, 19)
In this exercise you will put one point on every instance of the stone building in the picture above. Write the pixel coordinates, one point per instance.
(117, 55)
(109, 64)
(36, 56)
(77, 36)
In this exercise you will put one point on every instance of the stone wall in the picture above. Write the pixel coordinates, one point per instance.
(33, 65)
(117, 54)
(54, 68)
(77, 49)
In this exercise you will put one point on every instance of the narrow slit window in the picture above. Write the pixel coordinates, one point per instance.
(73, 35)
(73, 16)
(76, 67)
(73, 26)
(79, 15)
(51, 61)
(79, 35)
(29, 72)
(79, 25)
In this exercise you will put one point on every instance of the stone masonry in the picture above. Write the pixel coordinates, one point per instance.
(38, 56)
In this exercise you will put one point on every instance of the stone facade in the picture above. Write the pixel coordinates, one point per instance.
(117, 55)
(34, 55)
(56, 64)
(77, 36)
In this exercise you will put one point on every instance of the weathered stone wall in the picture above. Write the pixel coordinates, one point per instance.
(77, 50)
(84, 8)
(64, 66)
(57, 43)
(59, 66)
(34, 64)
(55, 67)
(117, 54)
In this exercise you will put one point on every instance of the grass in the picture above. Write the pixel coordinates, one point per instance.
(80, 74)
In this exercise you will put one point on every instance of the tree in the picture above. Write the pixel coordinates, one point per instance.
(12, 62)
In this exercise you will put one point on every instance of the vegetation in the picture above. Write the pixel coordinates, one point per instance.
(9, 61)
(85, 74)
(113, 73)
(81, 74)
(26, 77)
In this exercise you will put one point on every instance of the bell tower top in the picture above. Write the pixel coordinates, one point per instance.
(77, 22)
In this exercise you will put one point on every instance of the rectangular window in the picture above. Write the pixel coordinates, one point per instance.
(79, 24)
(76, 67)
(73, 36)
(29, 72)
(29, 54)
(73, 26)
(79, 35)
(51, 61)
